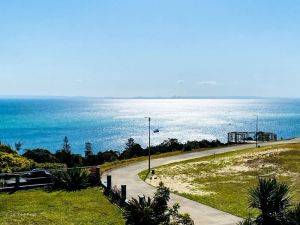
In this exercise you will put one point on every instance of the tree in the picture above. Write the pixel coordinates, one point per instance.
(88, 149)
(107, 156)
(18, 146)
(66, 144)
(272, 200)
(155, 211)
(40, 155)
(172, 144)
(132, 149)
(64, 155)
(130, 143)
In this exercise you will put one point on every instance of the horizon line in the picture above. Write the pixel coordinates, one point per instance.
(144, 97)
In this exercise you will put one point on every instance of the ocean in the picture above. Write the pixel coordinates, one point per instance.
(108, 123)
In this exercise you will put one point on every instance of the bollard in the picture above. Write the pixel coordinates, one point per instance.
(123, 192)
(142, 199)
(108, 182)
(17, 184)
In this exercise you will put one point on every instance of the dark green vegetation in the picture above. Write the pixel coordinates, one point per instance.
(65, 158)
(83, 207)
(222, 181)
(11, 161)
(132, 150)
(155, 211)
(272, 200)
(73, 179)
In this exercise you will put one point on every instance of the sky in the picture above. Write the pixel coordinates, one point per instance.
(150, 48)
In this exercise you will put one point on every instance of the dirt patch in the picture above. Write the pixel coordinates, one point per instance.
(178, 183)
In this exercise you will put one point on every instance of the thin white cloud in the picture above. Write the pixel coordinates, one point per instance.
(78, 81)
(210, 82)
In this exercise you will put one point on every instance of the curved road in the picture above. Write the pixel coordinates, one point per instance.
(201, 214)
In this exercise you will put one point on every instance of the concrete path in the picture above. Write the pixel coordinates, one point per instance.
(201, 214)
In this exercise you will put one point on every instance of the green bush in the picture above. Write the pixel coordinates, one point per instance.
(7, 149)
(13, 162)
(71, 179)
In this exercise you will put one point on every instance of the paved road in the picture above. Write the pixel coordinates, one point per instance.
(201, 214)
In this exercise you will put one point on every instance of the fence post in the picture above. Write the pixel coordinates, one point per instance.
(109, 182)
(123, 192)
(17, 183)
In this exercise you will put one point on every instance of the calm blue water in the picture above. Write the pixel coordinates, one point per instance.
(108, 123)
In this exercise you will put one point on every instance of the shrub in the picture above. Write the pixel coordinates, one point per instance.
(13, 162)
(7, 149)
(71, 179)
(293, 217)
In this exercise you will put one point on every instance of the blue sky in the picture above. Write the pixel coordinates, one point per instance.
(150, 48)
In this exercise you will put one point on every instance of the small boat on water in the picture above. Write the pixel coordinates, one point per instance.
(156, 131)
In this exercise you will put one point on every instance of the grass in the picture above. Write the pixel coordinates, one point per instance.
(121, 163)
(38, 207)
(223, 181)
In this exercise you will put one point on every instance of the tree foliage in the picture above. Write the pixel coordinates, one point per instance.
(132, 150)
(272, 200)
(40, 155)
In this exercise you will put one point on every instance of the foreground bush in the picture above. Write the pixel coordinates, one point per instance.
(271, 198)
(155, 211)
(72, 179)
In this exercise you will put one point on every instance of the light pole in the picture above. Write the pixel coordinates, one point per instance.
(149, 154)
(256, 138)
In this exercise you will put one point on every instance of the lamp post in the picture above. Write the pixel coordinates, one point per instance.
(149, 154)
(256, 138)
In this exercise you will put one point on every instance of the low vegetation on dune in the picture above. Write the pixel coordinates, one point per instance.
(223, 181)
(84, 207)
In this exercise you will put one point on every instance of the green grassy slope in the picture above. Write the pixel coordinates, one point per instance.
(38, 207)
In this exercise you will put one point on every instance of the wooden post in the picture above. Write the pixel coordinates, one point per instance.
(17, 184)
(123, 192)
(109, 182)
